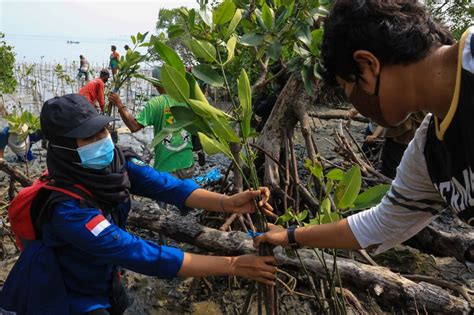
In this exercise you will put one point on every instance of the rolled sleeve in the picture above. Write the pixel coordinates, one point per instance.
(159, 186)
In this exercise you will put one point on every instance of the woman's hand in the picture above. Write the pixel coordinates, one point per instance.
(276, 235)
(259, 268)
(244, 202)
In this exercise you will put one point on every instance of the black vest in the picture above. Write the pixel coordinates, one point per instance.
(450, 161)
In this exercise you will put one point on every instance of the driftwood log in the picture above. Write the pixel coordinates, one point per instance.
(388, 288)
(447, 236)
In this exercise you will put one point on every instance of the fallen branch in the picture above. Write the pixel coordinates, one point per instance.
(339, 116)
(15, 174)
(388, 288)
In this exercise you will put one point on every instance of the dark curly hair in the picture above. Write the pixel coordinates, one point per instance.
(395, 31)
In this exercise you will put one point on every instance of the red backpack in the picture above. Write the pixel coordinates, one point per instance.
(19, 211)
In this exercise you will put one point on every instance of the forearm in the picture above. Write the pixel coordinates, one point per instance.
(204, 199)
(202, 266)
(332, 235)
(378, 131)
(129, 120)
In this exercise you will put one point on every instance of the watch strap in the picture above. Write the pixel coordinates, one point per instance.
(291, 237)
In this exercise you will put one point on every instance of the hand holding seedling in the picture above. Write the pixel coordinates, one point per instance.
(244, 202)
(115, 100)
(276, 235)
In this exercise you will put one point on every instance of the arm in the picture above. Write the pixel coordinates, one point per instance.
(127, 118)
(254, 267)
(238, 203)
(378, 131)
(410, 205)
(89, 231)
(148, 182)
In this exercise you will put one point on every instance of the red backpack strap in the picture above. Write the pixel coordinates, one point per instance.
(65, 191)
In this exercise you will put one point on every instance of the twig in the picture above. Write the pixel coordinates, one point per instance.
(353, 299)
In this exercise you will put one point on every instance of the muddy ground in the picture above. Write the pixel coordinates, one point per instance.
(224, 295)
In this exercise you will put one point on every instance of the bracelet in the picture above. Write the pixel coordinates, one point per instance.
(122, 107)
(222, 203)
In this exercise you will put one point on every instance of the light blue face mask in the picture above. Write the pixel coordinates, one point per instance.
(97, 155)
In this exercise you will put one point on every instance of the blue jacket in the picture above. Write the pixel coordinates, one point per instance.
(88, 247)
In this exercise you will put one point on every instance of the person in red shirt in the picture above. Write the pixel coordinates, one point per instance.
(94, 90)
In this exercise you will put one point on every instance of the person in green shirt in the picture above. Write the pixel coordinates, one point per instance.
(175, 153)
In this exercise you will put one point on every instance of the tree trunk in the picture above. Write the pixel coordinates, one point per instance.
(290, 107)
(388, 288)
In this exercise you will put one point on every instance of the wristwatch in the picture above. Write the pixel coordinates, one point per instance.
(291, 237)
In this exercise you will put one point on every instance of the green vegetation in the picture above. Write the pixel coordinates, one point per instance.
(7, 56)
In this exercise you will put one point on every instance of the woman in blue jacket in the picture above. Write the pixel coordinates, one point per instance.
(72, 268)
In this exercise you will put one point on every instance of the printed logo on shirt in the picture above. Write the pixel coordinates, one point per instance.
(138, 162)
(97, 224)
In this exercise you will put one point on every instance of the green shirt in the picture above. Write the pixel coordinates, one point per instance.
(175, 152)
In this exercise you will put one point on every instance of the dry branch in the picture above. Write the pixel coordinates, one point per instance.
(339, 116)
(15, 174)
(389, 289)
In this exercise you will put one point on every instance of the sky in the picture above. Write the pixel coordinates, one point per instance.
(39, 29)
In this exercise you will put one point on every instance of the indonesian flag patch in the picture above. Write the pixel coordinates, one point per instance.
(97, 224)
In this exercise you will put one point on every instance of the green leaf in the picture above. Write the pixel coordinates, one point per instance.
(316, 39)
(146, 78)
(203, 49)
(224, 12)
(165, 132)
(304, 36)
(300, 217)
(283, 219)
(329, 218)
(175, 31)
(274, 50)
(315, 168)
(222, 128)
(301, 51)
(207, 74)
(268, 16)
(335, 174)
(182, 113)
(213, 146)
(245, 98)
(251, 39)
(205, 15)
(134, 40)
(348, 188)
(308, 76)
(175, 83)
(192, 17)
(169, 56)
(326, 207)
(205, 110)
(233, 24)
(370, 197)
(195, 92)
(230, 48)
(314, 221)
